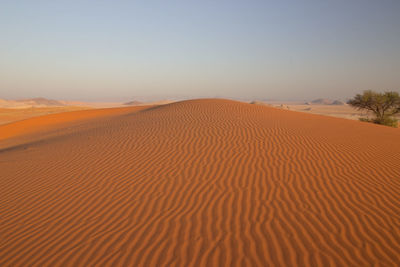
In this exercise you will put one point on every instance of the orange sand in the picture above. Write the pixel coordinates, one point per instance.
(8, 115)
(43, 124)
(200, 183)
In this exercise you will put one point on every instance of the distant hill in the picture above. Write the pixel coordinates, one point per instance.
(337, 103)
(133, 103)
(259, 103)
(40, 101)
(321, 101)
(325, 101)
(32, 102)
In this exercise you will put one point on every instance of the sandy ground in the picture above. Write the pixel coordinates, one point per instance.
(199, 183)
(339, 111)
(8, 115)
(17, 112)
(344, 111)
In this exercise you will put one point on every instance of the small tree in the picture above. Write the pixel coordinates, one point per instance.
(383, 105)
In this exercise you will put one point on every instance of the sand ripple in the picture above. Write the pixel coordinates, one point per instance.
(201, 183)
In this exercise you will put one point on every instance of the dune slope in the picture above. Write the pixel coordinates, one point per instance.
(42, 127)
(204, 183)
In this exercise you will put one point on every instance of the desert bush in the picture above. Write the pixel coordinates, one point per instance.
(388, 121)
(383, 105)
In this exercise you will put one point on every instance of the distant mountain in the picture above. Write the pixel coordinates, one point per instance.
(325, 101)
(337, 103)
(261, 103)
(40, 101)
(321, 101)
(32, 102)
(133, 103)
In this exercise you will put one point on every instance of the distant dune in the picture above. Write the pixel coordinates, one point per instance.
(199, 183)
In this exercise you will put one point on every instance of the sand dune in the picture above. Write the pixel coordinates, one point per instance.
(199, 183)
(8, 115)
(36, 128)
(15, 110)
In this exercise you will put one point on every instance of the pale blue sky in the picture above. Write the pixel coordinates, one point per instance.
(115, 50)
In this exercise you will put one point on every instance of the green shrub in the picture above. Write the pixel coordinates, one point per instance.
(383, 105)
(388, 121)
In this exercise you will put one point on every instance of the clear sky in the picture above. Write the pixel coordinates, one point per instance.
(114, 50)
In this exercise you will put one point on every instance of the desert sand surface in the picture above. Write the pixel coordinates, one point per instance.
(41, 102)
(42, 127)
(30, 102)
(16, 110)
(205, 182)
(8, 115)
(339, 111)
(343, 111)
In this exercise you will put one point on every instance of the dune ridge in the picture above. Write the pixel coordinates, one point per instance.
(203, 183)
(42, 127)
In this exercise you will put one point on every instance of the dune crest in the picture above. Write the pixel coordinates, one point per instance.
(203, 183)
(31, 129)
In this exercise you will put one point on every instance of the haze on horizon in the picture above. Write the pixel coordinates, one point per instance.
(107, 50)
